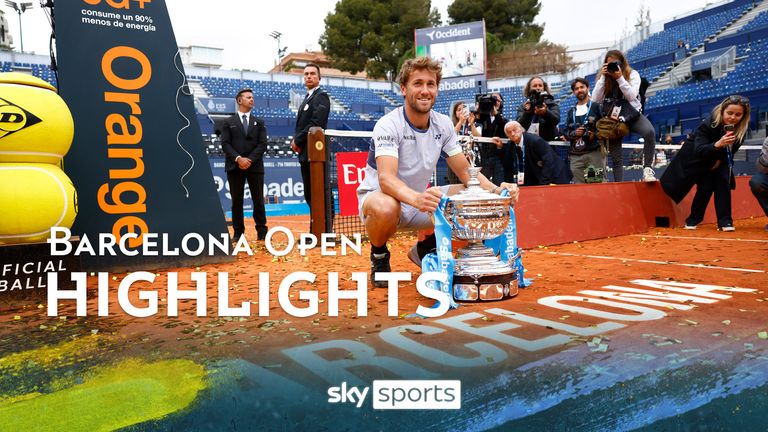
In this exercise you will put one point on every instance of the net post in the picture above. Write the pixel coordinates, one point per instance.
(318, 157)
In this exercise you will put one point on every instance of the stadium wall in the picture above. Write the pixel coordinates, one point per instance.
(548, 215)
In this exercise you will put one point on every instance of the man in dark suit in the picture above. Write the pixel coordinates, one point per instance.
(529, 160)
(312, 112)
(244, 141)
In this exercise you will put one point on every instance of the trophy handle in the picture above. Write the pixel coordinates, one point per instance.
(469, 150)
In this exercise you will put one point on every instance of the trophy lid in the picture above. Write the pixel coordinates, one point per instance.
(474, 194)
(477, 194)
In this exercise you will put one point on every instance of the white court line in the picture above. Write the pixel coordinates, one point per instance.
(703, 266)
(701, 238)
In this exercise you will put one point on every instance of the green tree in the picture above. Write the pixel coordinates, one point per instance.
(373, 35)
(508, 20)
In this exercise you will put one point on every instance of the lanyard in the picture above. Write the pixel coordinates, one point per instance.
(730, 156)
(589, 105)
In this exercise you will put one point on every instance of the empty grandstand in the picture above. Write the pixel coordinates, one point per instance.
(678, 98)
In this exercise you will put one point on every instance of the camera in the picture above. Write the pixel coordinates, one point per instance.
(729, 128)
(614, 66)
(485, 104)
(593, 175)
(538, 99)
(587, 125)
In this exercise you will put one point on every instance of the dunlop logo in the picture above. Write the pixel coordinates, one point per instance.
(14, 118)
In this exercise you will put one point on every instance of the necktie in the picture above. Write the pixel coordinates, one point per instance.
(245, 123)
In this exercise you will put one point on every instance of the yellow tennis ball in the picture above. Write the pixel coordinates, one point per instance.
(35, 123)
(34, 198)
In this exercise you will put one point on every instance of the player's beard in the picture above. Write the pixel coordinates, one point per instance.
(414, 104)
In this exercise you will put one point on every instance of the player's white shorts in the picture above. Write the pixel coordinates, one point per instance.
(411, 219)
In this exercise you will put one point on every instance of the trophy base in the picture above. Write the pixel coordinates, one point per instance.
(483, 279)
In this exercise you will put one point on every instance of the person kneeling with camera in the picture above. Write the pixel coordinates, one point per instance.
(618, 89)
(540, 113)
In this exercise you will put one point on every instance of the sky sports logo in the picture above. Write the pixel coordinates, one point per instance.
(401, 394)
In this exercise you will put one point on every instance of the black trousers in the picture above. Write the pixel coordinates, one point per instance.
(307, 179)
(759, 186)
(237, 179)
(713, 182)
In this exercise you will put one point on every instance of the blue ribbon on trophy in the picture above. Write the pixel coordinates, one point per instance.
(442, 261)
(510, 253)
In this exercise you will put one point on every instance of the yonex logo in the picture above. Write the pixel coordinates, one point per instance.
(14, 118)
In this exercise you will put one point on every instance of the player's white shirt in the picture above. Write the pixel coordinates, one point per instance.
(417, 151)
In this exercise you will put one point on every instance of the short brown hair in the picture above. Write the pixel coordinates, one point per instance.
(579, 80)
(240, 93)
(314, 65)
(419, 63)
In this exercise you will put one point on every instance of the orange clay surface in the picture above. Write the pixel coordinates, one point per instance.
(556, 270)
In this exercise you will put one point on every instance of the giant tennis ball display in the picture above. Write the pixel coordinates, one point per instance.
(35, 123)
(34, 198)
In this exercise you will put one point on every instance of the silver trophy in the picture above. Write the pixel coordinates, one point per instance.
(476, 215)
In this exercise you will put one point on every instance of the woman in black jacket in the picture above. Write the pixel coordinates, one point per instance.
(707, 162)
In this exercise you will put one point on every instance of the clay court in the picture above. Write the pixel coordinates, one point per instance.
(518, 359)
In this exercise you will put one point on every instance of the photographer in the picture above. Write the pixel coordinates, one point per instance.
(540, 113)
(464, 124)
(707, 162)
(618, 89)
(489, 114)
(582, 134)
(463, 119)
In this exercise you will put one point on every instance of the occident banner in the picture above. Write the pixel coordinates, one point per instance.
(137, 160)
(460, 49)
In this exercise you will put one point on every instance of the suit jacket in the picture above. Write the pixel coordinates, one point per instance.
(237, 142)
(696, 159)
(312, 112)
(542, 165)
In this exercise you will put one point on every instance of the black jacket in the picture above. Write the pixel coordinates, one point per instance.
(547, 124)
(696, 159)
(542, 165)
(312, 112)
(491, 129)
(236, 142)
(591, 143)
